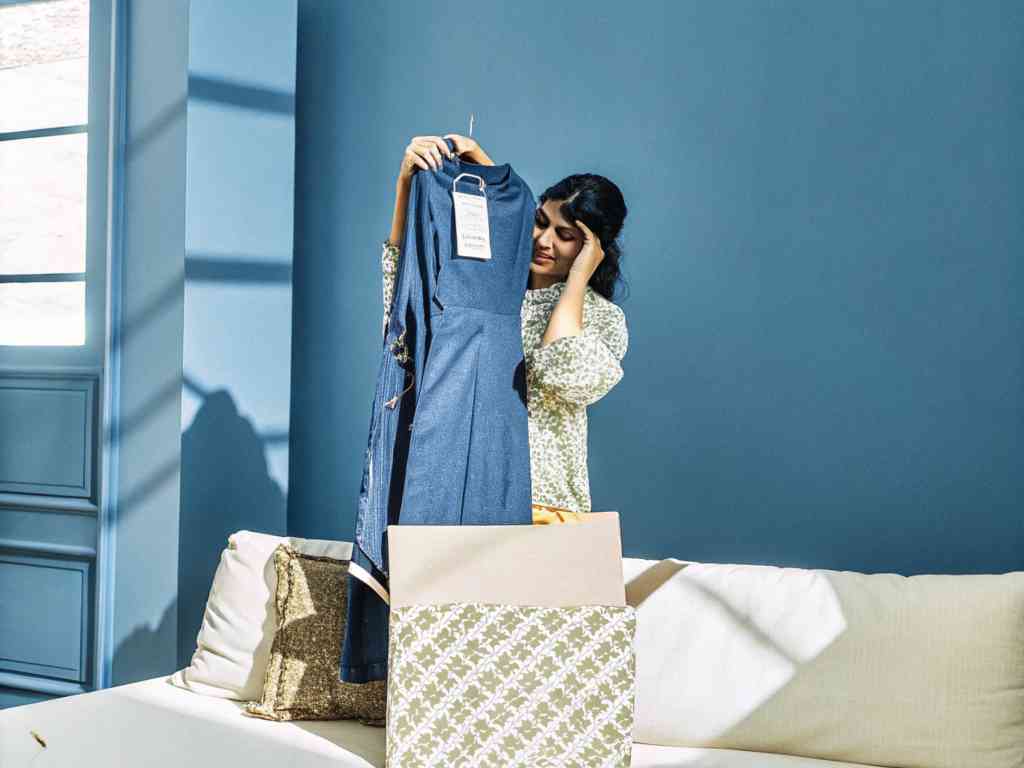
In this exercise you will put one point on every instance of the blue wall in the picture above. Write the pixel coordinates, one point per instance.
(236, 345)
(823, 251)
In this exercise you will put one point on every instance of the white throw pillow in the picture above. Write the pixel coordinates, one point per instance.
(233, 643)
(882, 669)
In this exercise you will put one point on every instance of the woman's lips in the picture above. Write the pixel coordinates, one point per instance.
(541, 257)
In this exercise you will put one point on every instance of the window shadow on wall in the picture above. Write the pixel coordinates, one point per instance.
(225, 487)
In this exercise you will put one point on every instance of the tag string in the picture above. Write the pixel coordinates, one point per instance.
(394, 400)
(480, 182)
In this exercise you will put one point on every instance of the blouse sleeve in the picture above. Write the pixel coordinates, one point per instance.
(389, 268)
(583, 368)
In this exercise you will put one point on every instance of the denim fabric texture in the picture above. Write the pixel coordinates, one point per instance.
(449, 433)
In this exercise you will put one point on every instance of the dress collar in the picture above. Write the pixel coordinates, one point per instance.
(541, 295)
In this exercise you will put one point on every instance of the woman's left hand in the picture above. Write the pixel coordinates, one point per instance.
(590, 255)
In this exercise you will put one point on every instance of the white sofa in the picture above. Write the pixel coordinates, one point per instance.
(736, 667)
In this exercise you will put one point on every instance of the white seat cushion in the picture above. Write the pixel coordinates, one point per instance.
(158, 725)
(650, 756)
(155, 724)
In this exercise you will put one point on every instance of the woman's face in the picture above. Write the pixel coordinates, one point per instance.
(556, 242)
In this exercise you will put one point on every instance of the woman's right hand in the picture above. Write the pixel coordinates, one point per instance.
(426, 151)
(423, 152)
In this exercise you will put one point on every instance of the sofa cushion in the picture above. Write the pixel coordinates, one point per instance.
(864, 668)
(156, 725)
(153, 724)
(651, 756)
(234, 640)
(303, 680)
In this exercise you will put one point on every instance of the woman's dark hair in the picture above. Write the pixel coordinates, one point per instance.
(599, 204)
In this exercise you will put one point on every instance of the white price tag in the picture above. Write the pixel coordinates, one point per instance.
(472, 231)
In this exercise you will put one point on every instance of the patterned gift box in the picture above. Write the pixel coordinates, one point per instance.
(504, 686)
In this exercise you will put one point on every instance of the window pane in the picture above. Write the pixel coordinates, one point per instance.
(44, 64)
(42, 204)
(42, 313)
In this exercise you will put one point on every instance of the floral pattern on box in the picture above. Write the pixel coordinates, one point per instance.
(504, 686)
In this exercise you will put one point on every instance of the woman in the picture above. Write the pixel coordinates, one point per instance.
(574, 337)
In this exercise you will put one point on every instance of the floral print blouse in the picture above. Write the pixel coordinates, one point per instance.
(563, 378)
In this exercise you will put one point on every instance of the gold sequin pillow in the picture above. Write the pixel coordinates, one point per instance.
(507, 686)
(302, 678)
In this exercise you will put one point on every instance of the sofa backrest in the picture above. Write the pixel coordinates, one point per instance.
(883, 669)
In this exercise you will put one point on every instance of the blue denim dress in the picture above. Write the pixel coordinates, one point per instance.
(449, 432)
